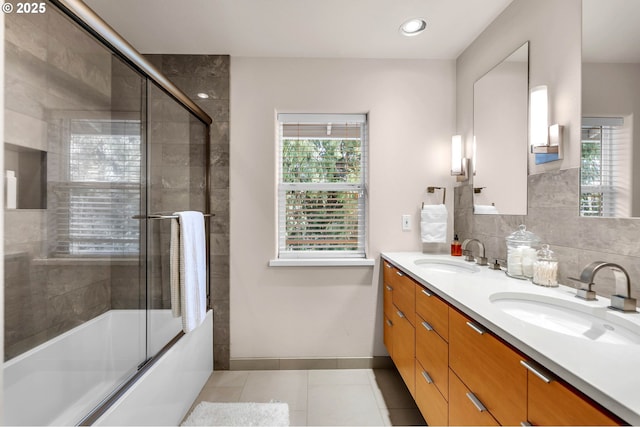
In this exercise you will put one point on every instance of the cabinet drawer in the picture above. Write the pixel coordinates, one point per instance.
(404, 350)
(433, 310)
(387, 290)
(432, 352)
(462, 409)
(388, 334)
(489, 368)
(390, 275)
(404, 296)
(555, 404)
(432, 404)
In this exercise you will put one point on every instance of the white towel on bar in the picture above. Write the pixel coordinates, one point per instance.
(433, 223)
(188, 269)
(484, 209)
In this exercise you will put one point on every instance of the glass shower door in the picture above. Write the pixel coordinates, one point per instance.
(75, 269)
(177, 182)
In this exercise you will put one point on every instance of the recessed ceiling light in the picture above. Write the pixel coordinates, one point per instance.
(413, 26)
(202, 95)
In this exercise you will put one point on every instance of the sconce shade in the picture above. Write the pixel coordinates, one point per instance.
(555, 136)
(456, 155)
(538, 117)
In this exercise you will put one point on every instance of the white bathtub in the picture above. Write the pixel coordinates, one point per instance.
(60, 381)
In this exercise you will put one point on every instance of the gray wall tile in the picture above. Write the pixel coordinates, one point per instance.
(553, 215)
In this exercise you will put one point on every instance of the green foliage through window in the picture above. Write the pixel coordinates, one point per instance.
(321, 189)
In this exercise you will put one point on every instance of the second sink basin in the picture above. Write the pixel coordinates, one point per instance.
(446, 265)
(569, 318)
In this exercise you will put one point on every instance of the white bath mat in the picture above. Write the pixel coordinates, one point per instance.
(239, 414)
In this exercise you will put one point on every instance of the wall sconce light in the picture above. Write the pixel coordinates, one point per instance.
(459, 163)
(544, 139)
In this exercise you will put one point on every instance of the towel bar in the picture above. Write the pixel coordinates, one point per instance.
(433, 189)
(161, 216)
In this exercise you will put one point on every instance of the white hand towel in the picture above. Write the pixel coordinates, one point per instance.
(433, 223)
(190, 295)
(484, 209)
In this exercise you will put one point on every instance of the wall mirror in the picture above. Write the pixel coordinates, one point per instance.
(500, 117)
(610, 138)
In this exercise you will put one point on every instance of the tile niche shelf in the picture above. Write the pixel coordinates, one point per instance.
(30, 166)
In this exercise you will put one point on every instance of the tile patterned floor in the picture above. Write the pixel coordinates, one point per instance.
(343, 397)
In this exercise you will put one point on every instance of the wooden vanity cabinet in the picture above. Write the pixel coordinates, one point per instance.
(554, 404)
(399, 317)
(460, 374)
(387, 286)
(489, 368)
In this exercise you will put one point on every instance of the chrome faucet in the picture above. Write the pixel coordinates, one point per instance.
(482, 259)
(622, 300)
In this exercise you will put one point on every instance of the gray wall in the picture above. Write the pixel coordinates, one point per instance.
(210, 74)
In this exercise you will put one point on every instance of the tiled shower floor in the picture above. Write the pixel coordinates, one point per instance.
(343, 397)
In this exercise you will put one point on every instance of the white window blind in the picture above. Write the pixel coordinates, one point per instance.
(601, 173)
(321, 189)
(96, 205)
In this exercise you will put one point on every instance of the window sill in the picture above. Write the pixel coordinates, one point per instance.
(323, 262)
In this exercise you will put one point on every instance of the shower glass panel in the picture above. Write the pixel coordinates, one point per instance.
(177, 152)
(96, 147)
(80, 108)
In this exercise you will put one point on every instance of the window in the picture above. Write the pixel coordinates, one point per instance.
(96, 205)
(603, 182)
(321, 188)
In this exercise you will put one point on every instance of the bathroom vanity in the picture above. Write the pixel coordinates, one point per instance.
(476, 347)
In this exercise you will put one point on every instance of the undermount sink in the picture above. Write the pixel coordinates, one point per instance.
(569, 318)
(446, 266)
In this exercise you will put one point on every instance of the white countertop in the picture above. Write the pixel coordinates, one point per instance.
(609, 373)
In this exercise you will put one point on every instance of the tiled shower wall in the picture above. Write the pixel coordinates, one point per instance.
(210, 74)
(553, 216)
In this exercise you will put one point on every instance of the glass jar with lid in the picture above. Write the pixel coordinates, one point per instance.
(521, 253)
(545, 269)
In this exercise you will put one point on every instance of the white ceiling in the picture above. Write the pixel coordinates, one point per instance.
(299, 28)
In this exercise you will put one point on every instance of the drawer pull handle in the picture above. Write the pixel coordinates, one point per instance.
(476, 328)
(476, 402)
(386, 264)
(399, 273)
(400, 314)
(535, 371)
(525, 423)
(389, 288)
(427, 377)
(427, 326)
(427, 293)
(389, 322)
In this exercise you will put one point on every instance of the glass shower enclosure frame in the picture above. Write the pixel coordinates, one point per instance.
(104, 149)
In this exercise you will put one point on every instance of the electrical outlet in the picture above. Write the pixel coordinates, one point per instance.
(406, 222)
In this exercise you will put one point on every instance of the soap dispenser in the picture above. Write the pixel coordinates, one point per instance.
(456, 247)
